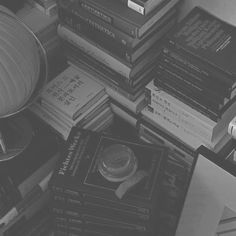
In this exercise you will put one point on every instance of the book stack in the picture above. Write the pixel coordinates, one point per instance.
(105, 185)
(73, 98)
(116, 44)
(25, 177)
(193, 92)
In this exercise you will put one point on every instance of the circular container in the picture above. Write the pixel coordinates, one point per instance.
(117, 163)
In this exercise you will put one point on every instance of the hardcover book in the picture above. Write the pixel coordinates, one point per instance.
(72, 93)
(215, 43)
(83, 21)
(86, 148)
(93, 170)
(122, 17)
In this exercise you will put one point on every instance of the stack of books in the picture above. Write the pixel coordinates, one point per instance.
(25, 177)
(108, 185)
(116, 44)
(193, 92)
(73, 98)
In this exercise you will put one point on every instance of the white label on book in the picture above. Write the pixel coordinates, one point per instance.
(136, 7)
(232, 128)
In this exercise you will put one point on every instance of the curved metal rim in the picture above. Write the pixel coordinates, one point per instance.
(43, 74)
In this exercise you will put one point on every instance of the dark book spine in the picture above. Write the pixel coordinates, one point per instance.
(80, 25)
(205, 72)
(99, 224)
(115, 80)
(76, 208)
(70, 14)
(196, 78)
(175, 80)
(186, 99)
(67, 195)
(119, 23)
(183, 78)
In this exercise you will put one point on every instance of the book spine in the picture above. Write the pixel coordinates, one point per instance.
(76, 208)
(78, 24)
(185, 122)
(205, 73)
(71, 194)
(187, 137)
(207, 94)
(94, 51)
(187, 99)
(101, 72)
(157, 96)
(72, 16)
(170, 79)
(101, 79)
(114, 20)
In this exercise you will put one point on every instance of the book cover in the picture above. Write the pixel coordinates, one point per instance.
(79, 169)
(215, 43)
(72, 93)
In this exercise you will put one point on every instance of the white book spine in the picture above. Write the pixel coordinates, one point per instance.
(94, 50)
(183, 134)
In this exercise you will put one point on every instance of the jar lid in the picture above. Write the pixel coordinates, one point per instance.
(117, 163)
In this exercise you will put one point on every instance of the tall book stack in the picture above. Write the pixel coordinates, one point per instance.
(115, 43)
(108, 185)
(73, 98)
(193, 92)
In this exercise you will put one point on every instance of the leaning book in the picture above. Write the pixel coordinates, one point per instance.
(125, 174)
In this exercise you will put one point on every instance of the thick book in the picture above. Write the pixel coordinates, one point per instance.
(160, 193)
(128, 87)
(199, 72)
(122, 17)
(86, 148)
(126, 69)
(211, 92)
(77, 18)
(78, 21)
(142, 6)
(214, 43)
(72, 93)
